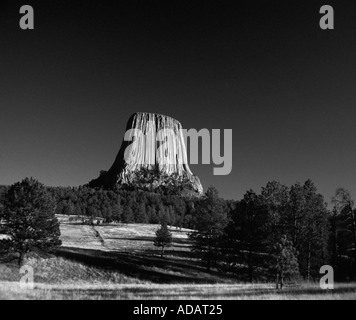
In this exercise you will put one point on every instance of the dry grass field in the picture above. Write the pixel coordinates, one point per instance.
(120, 262)
(129, 238)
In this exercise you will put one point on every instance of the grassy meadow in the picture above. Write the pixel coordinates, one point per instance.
(119, 261)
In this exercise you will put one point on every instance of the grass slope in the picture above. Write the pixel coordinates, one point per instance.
(120, 262)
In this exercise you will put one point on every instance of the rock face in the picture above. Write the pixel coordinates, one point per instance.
(153, 154)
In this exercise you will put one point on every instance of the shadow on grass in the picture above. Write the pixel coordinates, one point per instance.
(144, 266)
(176, 242)
(145, 239)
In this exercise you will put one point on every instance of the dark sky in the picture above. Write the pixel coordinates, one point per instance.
(264, 69)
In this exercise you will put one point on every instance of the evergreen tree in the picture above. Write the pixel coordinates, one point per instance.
(343, 224)
(285, 262)
(117, 212)
(248, 233)
(140, 214)
(152, 215)
(68, 208)
(60, 207)
(29, 219)
(210, 219)
(308, 223)
(163, 237)
(127, 215)
(275, 197)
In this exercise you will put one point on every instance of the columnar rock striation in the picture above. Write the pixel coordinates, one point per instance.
(153, 154)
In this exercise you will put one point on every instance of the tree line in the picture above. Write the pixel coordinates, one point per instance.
(124, 205)
(281, 231)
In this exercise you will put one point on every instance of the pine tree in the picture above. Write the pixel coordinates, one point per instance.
(28, 218)
(285, 262)
(307, 220)
(248, 234)
(344, 229)
(127, 215)
(210, 219)
(117, 212)
(163, 238)
(68, 208)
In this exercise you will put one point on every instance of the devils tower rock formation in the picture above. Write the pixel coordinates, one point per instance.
(152, 155)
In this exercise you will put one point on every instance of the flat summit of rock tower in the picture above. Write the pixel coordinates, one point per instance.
(152, 155)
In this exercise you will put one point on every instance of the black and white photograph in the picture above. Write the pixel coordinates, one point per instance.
(179, 155)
